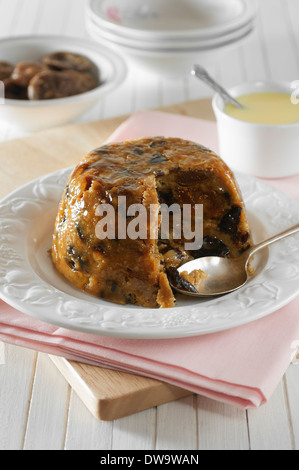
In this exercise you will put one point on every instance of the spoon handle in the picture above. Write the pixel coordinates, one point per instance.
(203, 75)
(275, 238)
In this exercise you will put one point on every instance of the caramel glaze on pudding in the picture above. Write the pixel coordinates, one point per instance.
(146, 171)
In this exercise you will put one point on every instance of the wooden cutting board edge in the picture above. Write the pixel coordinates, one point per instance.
(110, 394)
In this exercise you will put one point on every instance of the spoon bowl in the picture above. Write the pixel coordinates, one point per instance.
(222, 275)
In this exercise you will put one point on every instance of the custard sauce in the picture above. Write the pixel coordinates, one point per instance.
(265, 108)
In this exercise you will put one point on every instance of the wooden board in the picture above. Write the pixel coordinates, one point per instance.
(111, 394)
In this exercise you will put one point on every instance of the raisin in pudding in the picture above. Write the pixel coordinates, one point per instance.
(149, 172)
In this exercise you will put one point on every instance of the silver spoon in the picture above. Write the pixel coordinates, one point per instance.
(224, 275)
(199, 72)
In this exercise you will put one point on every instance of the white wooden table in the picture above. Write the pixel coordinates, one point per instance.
(38, 409)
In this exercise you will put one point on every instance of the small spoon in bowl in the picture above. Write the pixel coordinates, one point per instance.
(223, 275)
(199, 72)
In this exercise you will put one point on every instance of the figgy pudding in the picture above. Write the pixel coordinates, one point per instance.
(147, 173)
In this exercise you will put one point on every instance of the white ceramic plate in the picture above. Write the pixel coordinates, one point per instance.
(175, 63)
(170, 45)
(172, 18)
(29, 282)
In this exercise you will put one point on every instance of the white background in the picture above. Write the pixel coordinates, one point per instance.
(38, 409)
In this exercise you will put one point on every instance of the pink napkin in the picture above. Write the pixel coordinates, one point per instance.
(240, 366)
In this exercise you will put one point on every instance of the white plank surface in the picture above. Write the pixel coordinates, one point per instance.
(38, 409)
(49, 397)
(221, 426)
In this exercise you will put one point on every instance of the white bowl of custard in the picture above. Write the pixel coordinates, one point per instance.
(263, 138)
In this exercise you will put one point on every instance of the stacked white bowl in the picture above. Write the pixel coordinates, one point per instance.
(170, 35)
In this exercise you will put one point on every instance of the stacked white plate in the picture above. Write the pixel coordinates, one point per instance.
(169, 34)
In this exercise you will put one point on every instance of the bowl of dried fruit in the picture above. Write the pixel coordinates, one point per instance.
(49, 81)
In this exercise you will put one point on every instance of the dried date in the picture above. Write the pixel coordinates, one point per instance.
(112, 285)
(6, 70)
(165, 197)
(230, 221)
(180, 282)
(25, 71)
(80, 233)
(131, 298)
(99, 248)
(53, 85)
(75, 260)
(211, 246)
(63, 60)
(158, 158)
(13, 91)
